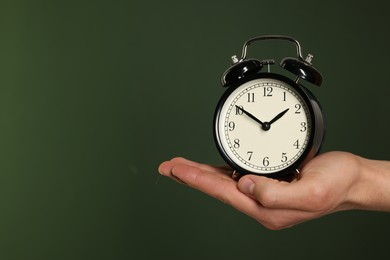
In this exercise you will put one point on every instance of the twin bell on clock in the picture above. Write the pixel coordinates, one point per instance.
(267, 123)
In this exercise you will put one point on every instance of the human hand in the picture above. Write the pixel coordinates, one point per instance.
(330, 182)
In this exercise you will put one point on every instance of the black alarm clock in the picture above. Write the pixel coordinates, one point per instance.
(267, 123)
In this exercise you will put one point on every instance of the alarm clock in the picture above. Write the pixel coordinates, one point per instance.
(268, 123)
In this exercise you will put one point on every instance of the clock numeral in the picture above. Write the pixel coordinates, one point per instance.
(284, 96)
(298, 108)
(284, 157)
(303, 127)
(266, 161)
(296, 144)
(250, 153)
(251, 97)
(239, 110)
(236, 143)
(232, 126)
(267, 92)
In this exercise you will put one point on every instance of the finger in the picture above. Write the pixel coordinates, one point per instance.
(165, 168)
(217, 185)
(214, 183)
(207, 167)
(211, 180)
(271, 193)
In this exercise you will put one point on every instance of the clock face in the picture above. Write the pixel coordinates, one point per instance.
(264, 126)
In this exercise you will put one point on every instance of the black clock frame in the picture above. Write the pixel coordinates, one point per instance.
(317, 118)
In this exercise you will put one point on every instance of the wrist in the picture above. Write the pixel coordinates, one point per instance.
(371, 190)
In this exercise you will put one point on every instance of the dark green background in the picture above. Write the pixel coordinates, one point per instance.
(95, 94)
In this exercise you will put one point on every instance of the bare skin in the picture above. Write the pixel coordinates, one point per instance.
(331, 182)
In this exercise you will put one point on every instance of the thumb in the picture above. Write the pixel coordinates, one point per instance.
(246, 185)
(250, 184)
(271, 193)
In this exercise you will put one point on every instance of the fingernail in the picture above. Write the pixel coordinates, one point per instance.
(160, 170)
(246, 185)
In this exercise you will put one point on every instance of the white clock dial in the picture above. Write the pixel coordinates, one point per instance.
(264, 126)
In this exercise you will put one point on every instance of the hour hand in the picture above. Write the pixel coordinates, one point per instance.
(278, 116)
(250, 115)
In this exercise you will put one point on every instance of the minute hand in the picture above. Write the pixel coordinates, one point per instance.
(278, 116)
(250, 115)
